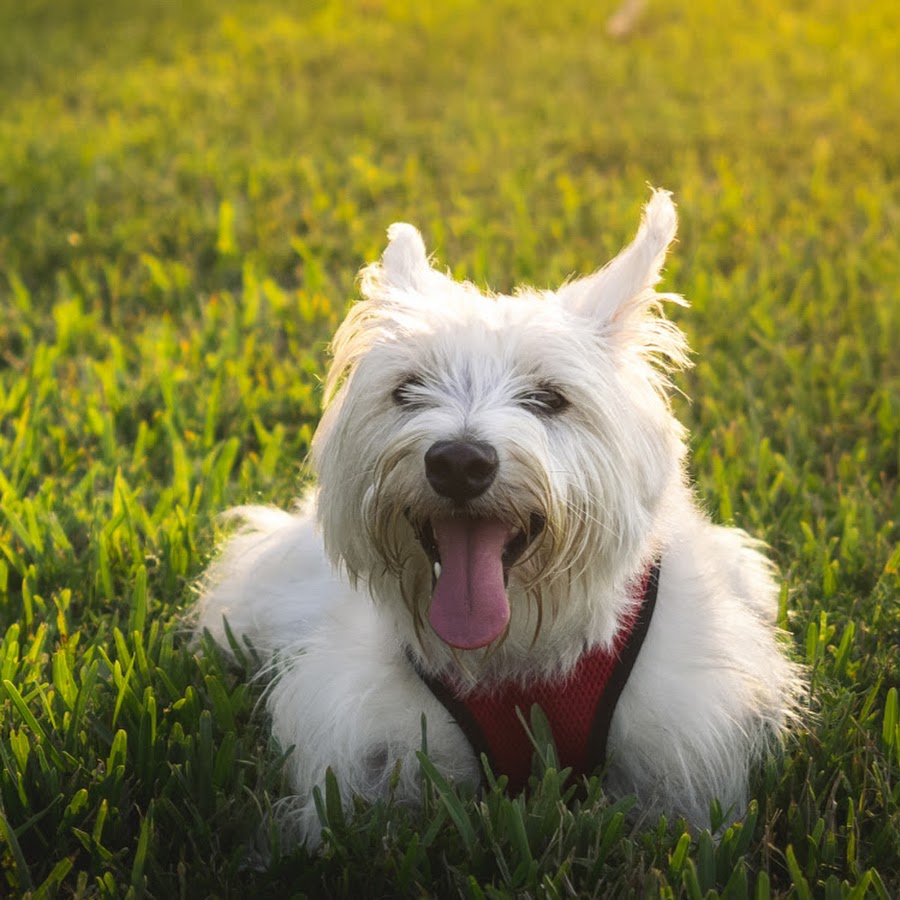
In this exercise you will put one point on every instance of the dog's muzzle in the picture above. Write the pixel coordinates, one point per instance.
(471, 553)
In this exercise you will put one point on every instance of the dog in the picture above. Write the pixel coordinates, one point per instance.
(502, 517)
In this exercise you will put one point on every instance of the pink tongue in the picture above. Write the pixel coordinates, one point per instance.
(469, 606)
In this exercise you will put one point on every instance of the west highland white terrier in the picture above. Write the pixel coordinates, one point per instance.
(503, 518)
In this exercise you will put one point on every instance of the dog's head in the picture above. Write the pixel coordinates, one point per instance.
(479, 452)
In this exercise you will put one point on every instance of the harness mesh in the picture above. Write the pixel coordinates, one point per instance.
(579, 708)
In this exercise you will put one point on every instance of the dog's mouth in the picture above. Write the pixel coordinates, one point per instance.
(471, 559)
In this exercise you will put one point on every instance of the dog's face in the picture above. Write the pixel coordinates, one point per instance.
(477, 448)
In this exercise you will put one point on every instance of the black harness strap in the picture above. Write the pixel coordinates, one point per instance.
(614, 687)
(461, 713)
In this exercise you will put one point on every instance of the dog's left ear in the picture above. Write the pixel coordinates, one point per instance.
(623, 286)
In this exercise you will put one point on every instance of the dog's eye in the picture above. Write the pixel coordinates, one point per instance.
(409, 392)
(545, 400)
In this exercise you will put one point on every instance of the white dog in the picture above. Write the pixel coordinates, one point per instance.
(503, 518)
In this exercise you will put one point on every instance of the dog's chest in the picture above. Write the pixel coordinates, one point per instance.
(578, 708)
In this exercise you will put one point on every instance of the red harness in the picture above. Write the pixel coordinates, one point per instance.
(579, 708)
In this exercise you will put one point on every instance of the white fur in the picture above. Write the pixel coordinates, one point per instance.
(334, 595)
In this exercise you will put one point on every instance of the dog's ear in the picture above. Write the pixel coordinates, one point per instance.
(404, 261)
(404, 266)
(624, 285)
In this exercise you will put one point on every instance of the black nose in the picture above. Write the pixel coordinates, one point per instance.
(460, 470)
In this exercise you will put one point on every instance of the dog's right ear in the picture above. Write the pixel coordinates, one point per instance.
(404, 266)
(404, 262)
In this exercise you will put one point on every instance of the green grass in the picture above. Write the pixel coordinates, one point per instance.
(186, 193)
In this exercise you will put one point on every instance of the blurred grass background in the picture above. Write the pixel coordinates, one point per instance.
(186, 194)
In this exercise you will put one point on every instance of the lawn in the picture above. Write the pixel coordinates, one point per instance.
(187, 191)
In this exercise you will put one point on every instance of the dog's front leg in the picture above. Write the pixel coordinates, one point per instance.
(350, 701)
